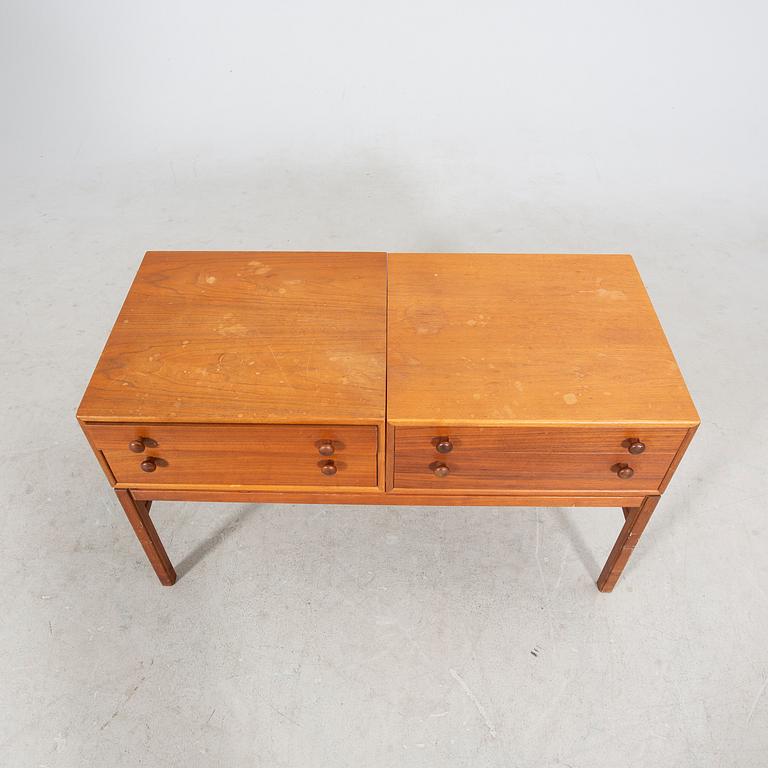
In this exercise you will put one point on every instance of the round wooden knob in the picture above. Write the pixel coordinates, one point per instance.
(636, 446)
(329, 468)
(624, 471)
(441, 470)
(444, 445)
(326, 448)
(140, 443)
(148, 465)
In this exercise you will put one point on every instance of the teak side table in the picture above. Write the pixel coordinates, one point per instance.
(373, 378)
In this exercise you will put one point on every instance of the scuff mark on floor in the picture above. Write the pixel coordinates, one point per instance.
(753, 708)
(478, 706)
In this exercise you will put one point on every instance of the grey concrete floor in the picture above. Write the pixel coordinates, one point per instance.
(349, 636)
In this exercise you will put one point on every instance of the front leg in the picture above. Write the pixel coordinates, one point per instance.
(138, 516)
(636, 518)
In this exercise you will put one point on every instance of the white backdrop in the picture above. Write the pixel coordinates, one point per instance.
(521, 125)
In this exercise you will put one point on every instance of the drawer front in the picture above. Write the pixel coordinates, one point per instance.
(248, 455)
(530, 458)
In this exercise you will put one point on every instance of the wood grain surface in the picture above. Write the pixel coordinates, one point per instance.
(227, 371)
(137, 512)
(246, 337)
(506, 338)
(563, 499)
(636, 519)
(239, 454)
(584, 439)
(529, 471)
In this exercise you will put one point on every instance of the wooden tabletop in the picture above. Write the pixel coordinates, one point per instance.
(507, 338)
(247, 337)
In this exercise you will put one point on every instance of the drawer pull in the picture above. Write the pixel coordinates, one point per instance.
(444, 445)
(326, 448)
(636, 447)
(624, 471)
(440, 470)
(328, 468)
(140, 443)
(149, 464)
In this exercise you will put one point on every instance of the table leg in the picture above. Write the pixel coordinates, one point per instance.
(636, 518)
(137, 513)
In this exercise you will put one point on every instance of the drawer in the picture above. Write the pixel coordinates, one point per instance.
(532, 458)
(238, 454)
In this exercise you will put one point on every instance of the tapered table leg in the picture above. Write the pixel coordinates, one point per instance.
(636, 518)
(138, 516)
